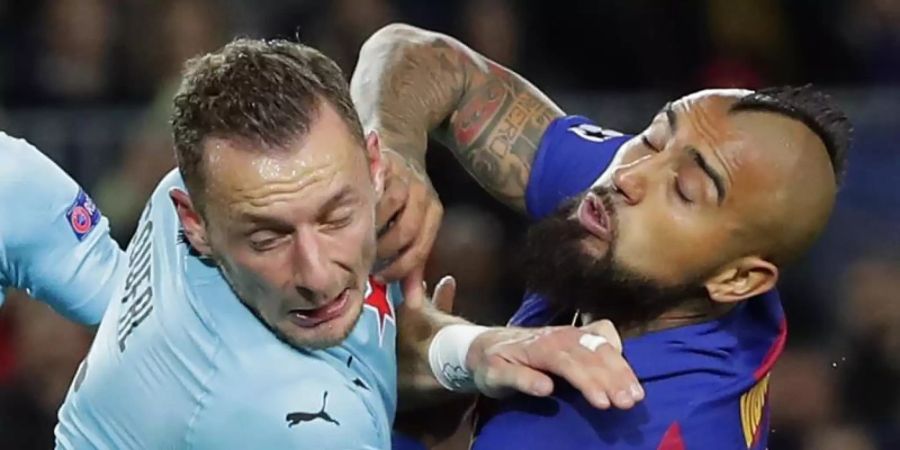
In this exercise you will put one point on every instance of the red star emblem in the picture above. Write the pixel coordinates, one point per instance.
(377, 300)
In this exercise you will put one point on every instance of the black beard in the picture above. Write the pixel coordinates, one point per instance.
(557, 267)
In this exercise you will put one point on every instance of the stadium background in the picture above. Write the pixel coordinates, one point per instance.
(89, 81)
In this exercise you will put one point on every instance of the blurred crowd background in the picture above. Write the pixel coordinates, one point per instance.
(89, 82)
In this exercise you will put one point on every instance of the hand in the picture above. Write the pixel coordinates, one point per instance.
(521, 359)
(444, 294)
(408, 217)
(414, 292)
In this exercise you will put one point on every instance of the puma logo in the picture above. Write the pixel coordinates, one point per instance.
(296, 418)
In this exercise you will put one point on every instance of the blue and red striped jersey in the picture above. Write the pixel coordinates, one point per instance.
(706, 384)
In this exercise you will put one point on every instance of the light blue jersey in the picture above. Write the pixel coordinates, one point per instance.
(180, 363)
(54, 242)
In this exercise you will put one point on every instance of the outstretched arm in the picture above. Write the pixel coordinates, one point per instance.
(438, 352)
(410, 83)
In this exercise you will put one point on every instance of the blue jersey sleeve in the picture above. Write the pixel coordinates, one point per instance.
(572, 154)
(54, 242)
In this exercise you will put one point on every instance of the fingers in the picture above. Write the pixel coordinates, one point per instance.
(502, 378)
(404, 226)
(408, 217)
(414, 289)
(403, 229)
(603, 375)
(620, 381)
(419, 224)
(571, 366)
(606, 329)
(444, 294)
(391, 203)
(588, 373)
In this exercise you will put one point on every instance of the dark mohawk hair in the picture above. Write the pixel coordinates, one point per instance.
(812, 107)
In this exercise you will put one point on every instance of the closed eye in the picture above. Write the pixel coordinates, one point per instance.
(266, 241)
(340, 221)
(648, 144)
(680, 192)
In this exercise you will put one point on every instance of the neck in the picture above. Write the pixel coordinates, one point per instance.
(688, 313)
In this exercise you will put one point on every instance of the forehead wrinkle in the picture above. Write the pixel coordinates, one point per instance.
(712, 137)
(702, 122)
(273, 191)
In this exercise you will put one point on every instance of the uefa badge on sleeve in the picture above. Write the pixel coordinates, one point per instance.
(83, 215)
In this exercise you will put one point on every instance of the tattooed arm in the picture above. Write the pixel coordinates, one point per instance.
(410, 83)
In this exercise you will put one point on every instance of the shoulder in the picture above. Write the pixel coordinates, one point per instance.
(700, 418)
(29, 178)
(22, 165)
(38, 196)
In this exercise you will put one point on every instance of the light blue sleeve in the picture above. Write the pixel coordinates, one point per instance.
(54, 243)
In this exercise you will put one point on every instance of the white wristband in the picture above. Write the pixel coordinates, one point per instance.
(447, 356)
